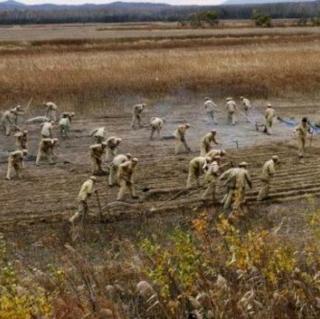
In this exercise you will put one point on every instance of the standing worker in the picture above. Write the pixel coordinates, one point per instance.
(246, 105)
(242, 180)
(15, 161)
(270, 114)
(211, 108)
(64, 125)
(302, 132)
(51, 112)
(180, 135)
(156, 125)
(229, 177)
(268, 171)
(126, 178)
(231, 109)
(85, 193)
(205, 143)
(136, 115)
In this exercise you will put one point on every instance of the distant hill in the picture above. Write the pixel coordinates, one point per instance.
(14, 12)
(248, 2)
(11, 5)
(15, 5)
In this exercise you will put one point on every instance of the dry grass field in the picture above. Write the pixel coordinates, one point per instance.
(277, 62)
(262, 264)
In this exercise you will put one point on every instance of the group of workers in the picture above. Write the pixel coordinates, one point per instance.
(121, 167)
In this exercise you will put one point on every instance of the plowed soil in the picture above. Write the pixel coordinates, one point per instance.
(48, 193)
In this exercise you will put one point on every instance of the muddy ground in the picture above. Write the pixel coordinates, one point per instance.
(34, 210)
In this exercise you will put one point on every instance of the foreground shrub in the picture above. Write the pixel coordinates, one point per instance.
(213, 269)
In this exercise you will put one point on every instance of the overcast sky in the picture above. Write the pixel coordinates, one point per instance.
(199, 2)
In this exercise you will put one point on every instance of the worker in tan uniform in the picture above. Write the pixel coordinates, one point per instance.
(65, 124)
(98, 134)
(229, 179)
(246, 105)
(211, 178)
(46, 149)
(268, 171)
(211, 108)
(156, 125)
(46, 129)
(231, 107)
(15, 162)
(243, 180)
(181, 142)
(125, 178)
(86, 190)
(97, 154)
(206, 141)
(269, 115)
(114, 167)
(136, 115)
(112, 147)
(22, 140)
(70, 115)
(51, 112)
(197, 167)
(7, 121)
(17, 111)
(213, 153)
(301, 132)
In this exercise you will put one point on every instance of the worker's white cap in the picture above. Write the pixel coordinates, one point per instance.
(187, 125)
(208, 159)
(93, 178)
(104, 144)
(213, 131)
(216, 157)
(24, 152)
(55, 140)
(119, 140)
(241, 97)
(129, 155)
(135, 160)
(269, 105)
(275, 157)
(229, 98)
(18, 106)
(243, 164)
(25, 132)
